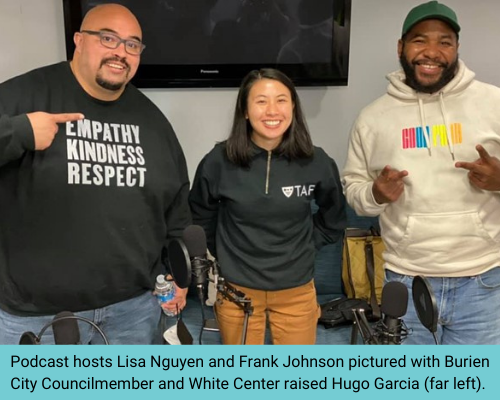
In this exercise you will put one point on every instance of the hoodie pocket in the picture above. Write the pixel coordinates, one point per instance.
(445, 237)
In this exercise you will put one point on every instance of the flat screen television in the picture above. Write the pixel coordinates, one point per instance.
(215, 43)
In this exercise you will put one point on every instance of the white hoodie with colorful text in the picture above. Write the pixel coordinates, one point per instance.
(441, 225)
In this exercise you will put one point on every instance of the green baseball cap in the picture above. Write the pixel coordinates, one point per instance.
(431, 10)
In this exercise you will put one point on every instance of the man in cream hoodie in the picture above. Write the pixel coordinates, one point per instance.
(422, 158)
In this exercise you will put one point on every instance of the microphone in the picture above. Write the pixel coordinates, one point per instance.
(196, 244)
(392, 329)
(29, 338)
(65, 328)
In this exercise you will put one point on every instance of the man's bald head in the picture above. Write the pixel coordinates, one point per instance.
(104, 72)
(98, 15)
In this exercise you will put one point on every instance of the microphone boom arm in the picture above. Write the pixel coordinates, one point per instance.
(239, 298)
(362, 326)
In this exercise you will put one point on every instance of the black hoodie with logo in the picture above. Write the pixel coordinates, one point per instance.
(258, 220)
(83, 223)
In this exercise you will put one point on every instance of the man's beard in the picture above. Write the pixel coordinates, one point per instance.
(411, 77)
(106, 84)
(113, 86)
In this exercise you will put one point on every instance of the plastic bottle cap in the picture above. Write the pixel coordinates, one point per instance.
(160, 279)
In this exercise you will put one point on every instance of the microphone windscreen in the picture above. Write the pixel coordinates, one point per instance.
(180, 264)
(394, 299)
(425, 303)
(65, 328)
(195, 240)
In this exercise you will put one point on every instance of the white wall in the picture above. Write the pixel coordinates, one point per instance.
(32, 33)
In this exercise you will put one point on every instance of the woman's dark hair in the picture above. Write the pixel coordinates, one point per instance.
(296, 141)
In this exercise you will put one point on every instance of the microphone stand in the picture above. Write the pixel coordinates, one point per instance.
(227, 291)
(362, 326)
(392, 335)
(239, 298)
(381, 334)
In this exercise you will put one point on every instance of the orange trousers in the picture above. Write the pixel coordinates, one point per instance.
(292, 315)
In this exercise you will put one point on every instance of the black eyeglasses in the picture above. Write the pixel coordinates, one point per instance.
(112, 41)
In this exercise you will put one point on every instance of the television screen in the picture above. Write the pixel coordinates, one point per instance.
(215, 43)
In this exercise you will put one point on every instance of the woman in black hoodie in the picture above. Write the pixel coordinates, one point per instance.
(252, 194)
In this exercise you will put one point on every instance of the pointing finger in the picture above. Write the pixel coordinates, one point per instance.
(466, 165)
(402, 174)
(67, 117)
(389, 174)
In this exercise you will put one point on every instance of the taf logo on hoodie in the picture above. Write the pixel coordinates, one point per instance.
(299, 190)
(414, 137)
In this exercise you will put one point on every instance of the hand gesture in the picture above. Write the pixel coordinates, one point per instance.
(178, 303)
(45, 126)
(389, 185)
(484, 173)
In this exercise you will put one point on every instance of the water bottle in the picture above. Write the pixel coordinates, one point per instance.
(165, 291)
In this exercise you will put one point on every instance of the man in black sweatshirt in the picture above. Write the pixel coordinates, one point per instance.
(93, 183)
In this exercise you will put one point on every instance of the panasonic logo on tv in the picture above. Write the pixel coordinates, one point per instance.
(209, 71)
